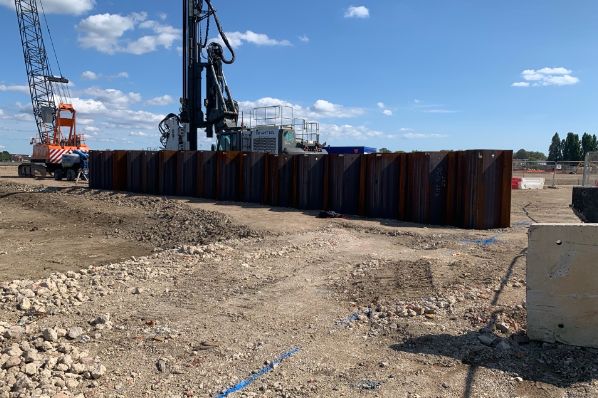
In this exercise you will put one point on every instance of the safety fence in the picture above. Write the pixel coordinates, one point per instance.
(469, 189)
(558, 173)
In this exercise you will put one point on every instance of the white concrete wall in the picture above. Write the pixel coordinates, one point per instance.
(562, 284)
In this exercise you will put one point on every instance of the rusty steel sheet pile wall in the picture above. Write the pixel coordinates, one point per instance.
(468, 189)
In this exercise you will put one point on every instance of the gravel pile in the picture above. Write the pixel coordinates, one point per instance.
(44, 363)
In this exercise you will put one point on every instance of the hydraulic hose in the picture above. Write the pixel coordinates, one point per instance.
(222, 34)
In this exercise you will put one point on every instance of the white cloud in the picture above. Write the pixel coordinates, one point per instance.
(421, 106)
(2, 147)
(419, 136)
(520, 84)
(384, 109)
(160, 101)
(362, 133)
(84, 121)
(304, 39)
(357, 12)
(319, 109)
(164, 36)
(17, 88)
(60, 6)
(88, 106)
(89, 75)
(105, 116)
(105, 33)
(138, 134)
(113, 98)
(237, 39)
(122, 75)
(547, 77)
(23, 117)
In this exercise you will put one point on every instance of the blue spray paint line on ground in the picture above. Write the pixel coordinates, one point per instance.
(483, 242)
(266, 369)
(347, 321)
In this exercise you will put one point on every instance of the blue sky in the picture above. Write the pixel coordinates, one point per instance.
(402, 74)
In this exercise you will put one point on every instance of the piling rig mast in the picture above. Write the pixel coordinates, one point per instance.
(277, 132)
(199, 56)
(55, 120)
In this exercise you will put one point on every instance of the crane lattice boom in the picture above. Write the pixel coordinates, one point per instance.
(38, 68)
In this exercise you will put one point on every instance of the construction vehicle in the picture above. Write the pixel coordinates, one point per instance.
(270, 129)
(55, 116)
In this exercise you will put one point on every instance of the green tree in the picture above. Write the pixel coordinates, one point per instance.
(586, 144)
(522, 154)
(384, 150)
(555, 151)
(5, 156)
(572, 148)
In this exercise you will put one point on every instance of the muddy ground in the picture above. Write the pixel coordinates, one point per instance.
(202, 295)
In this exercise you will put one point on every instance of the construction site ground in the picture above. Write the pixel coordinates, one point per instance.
(165, 297)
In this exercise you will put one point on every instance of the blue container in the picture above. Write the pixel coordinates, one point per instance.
(350, 150)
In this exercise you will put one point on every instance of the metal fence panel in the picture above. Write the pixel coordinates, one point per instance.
(227, 176)
(134, 166)
(206, 175)
(483, 176)
(167, 169)
(119, 170)
(95, 170)
(253, 176)
(344, 172)
(382, 185)
(427, 187)
(590, 170)
(280, 180)
(107, 168)
(186, 173)
(149, 172)
(311, 190)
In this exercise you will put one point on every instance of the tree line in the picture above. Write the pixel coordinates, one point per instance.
(572, 148)
(5, 156)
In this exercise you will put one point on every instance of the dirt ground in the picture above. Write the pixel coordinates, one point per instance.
(203, 295)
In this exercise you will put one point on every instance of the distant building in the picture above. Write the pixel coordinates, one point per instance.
(350, 150)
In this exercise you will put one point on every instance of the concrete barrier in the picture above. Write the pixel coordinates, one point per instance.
(585, 203)
(562, 284)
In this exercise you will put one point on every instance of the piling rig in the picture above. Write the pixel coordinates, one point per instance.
(271, 129)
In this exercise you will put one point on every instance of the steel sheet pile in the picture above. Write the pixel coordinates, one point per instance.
(467, 189)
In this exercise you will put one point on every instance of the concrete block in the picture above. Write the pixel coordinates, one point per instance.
(562, 284)
(585, 203)
(532, 183)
